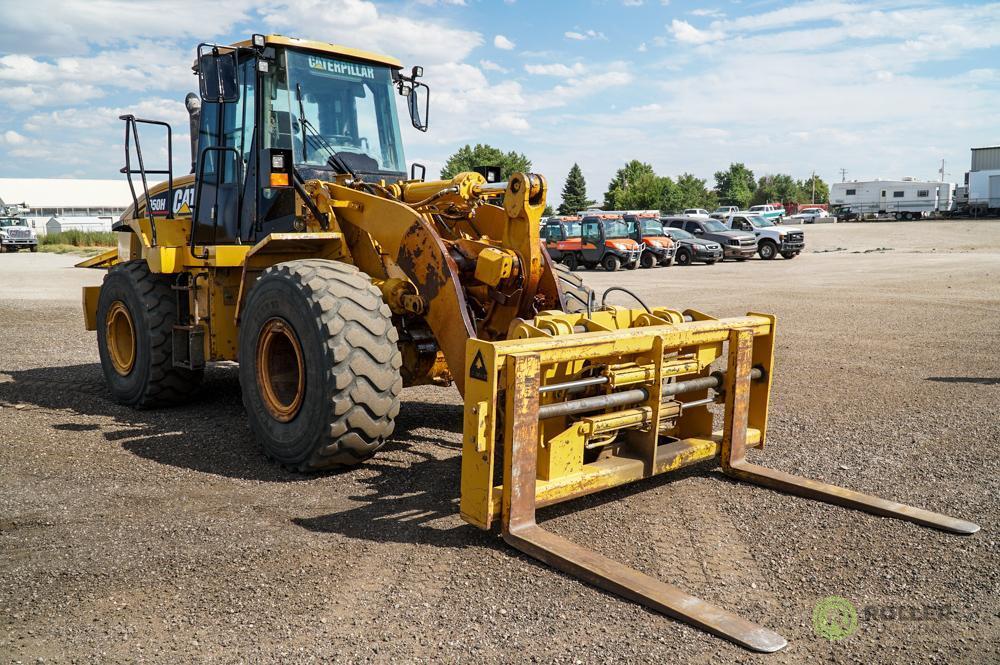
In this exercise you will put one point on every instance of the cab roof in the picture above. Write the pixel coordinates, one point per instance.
(324, 47)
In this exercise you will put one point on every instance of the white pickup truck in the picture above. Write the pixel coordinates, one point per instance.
(770, 212)
(15, 234)
(771, 238)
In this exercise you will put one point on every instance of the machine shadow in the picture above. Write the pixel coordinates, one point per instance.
(983, 381)
(210, 434)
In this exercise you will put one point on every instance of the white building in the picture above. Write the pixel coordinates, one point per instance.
(79, 223)
(65, 199)
(907, 198)
(983, 180)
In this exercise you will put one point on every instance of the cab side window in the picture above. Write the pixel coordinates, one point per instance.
(692, 227)
(591, 231)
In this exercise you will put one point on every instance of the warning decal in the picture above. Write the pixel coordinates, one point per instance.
(478, 368)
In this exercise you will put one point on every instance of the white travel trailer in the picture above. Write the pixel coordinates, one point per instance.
(907, 198)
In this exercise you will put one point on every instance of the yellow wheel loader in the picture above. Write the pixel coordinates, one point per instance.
(300, 247)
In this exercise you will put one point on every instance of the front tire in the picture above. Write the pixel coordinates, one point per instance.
(647, 260)
(611, 263)
(767, 250)
(575, 294)
(136, 312)
(319, 365)
(683, 257)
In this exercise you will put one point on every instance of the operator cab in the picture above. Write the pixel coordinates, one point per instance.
(277, 111)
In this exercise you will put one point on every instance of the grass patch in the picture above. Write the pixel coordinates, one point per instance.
(87, 243)
(79, 239)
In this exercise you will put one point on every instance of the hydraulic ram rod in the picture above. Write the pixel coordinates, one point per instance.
(627, 397)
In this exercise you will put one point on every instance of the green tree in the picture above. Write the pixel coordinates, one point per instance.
(777, 188)
(692, 193)
(735, 185)
(574, 193)
(646, 192)
(548, 211)
(626, 177)
(467, 157)
(806, 190)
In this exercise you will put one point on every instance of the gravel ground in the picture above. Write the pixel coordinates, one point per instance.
(164, 536)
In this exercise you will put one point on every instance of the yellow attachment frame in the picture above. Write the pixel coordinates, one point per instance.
(630, 349)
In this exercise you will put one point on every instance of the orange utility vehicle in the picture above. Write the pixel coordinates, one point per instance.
(657, 246)
(604, 239)
(561, 235)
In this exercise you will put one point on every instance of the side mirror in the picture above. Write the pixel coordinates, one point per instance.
(698, 232)
(218, 81)
(418, 97)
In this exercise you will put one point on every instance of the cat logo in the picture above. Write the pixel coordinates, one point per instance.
(478, 368)
(181, 203)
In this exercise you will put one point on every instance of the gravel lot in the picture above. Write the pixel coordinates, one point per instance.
(165, 536)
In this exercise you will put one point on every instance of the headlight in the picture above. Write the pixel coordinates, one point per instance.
(3, 234)
(619, 247)
(656, 243)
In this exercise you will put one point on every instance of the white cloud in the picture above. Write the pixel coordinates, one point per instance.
(491, 66)
(584, 35)
(431, 3)
(642, 48)
(511, 122)
(502, 42)
(713, 13)
(632, 3)
(360, 22)
(556, 69)
(10, 137)
(56, 27)
(684, 32)
(793, 15)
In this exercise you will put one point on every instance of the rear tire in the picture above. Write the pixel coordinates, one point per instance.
(319, 365)
(789, 255)
(767, 250)
(136, 312)
(571, 283)
(34, 248)
(611, 263)
(571, 262)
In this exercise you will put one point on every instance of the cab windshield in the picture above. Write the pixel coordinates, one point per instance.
(679, 234)
(714, 226)
(349, 109)
(10, 221)
(618, 228)
(652, 227)
(572, 229)
(760, 222)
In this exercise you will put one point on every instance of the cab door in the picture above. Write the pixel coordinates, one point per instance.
(593, 241)
(225, 144)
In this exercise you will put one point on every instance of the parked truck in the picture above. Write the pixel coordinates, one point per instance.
(15, 231)
(771, 239)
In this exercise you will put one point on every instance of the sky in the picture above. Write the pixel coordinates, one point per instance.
(881, 89)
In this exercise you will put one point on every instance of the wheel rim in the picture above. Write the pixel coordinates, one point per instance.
(120, 335)
(280, 370)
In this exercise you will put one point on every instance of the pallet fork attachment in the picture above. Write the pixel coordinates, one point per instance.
(553, 360)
